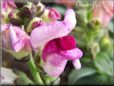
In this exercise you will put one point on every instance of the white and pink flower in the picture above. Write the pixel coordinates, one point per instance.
(59, 47)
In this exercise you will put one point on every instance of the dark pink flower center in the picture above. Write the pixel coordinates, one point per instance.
(66, 43)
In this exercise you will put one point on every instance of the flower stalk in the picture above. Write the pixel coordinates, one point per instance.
(33, 69)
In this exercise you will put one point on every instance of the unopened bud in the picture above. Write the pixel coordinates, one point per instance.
(105, 43)
(35, 22)
(29, 10)
(14, 17)
(54, 14)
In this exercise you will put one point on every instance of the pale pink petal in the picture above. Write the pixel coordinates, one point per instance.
(4, 27)
(49, 31)
(16, 43)
(77, 64)
(54, 64)
(104, 12)
(27, 45)
(75, 53)
(108, 7)
(13, 35)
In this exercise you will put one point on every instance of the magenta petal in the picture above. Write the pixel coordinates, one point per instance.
(54, 64)
(66, 43)
(49, 31)
(49, 48)
(75, 53)
(77, 64)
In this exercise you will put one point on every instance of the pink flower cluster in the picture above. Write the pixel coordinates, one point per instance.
(59, 47)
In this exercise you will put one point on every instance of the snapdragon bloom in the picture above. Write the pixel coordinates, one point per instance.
(52, 30)
(14, 38)
(104, 11)
(57, 52)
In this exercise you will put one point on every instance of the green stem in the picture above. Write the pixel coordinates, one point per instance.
(33, 69)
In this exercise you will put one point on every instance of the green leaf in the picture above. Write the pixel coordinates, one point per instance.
(23, 78)
(75, 75)
(104, 64)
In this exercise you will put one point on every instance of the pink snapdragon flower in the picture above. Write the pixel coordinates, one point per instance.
(57, 52)
(104, 11)
(52, 30)
(14, 38)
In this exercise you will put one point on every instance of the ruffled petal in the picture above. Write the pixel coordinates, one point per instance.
(49, 31)
(54, 64)
(77, 64)
(75, 53)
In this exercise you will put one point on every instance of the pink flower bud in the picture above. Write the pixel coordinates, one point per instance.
(54, 15)
(34, 23)
(7, 6)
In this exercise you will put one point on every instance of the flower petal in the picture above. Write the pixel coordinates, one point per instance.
(49, 31)
(49, 48)
(7, 76)
(54, 64)
(75, 53)
(77, 64)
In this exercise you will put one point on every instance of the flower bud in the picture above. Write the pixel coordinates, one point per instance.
(14, 17)
(35, 22)
(7, 6)
(105, 43)
(15, 41)
(28, 10)
(47, 14)
(42, 12)
(95, 49)
(54, 15)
